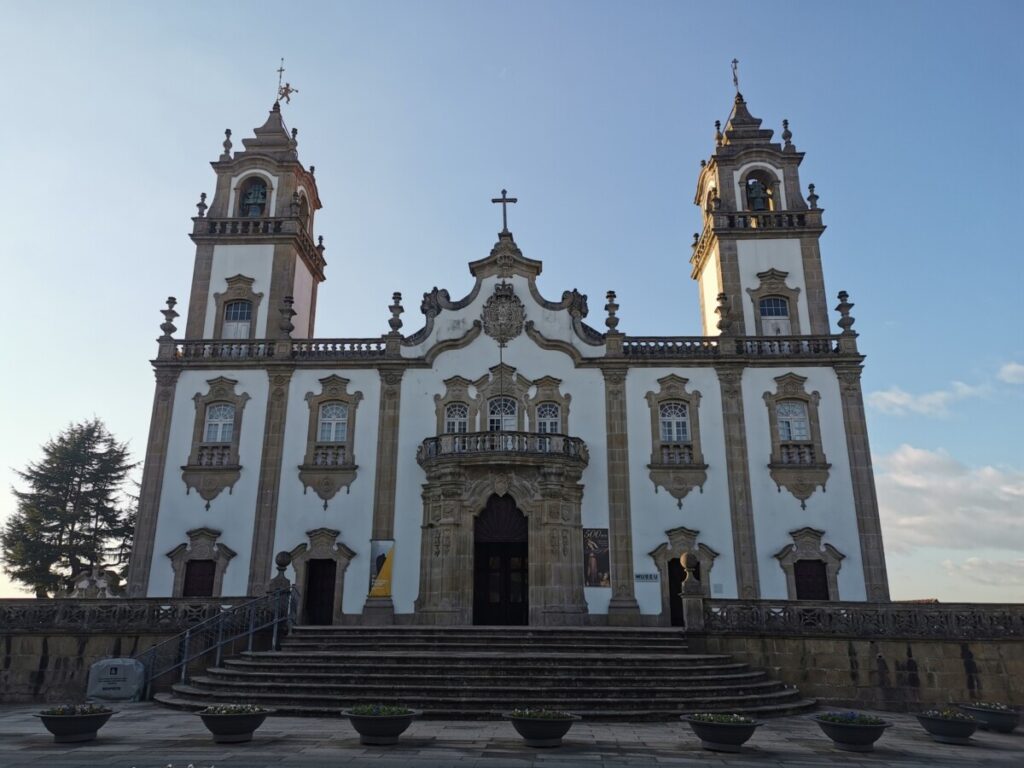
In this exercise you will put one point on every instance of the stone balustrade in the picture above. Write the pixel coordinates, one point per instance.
(493, 444)
(952, 621)
(338, 349)
(702, 347)
(155, 615)
(259, 228)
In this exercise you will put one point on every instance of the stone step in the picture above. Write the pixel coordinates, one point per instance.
(466, 646)
(419, 690)
(486, 707)
(421, 656)
(235, 670)
(398, 630)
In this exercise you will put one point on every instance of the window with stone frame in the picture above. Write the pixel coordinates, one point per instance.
(811, 567)
(199, 564)
(213, 463)
(253, 198)
(501, 414)
(329, 461)
(774, 313)
(456, 418)
(236, 309)
(677, 463)
(549, 418)
(237, 320)
(797, 460)
(775, 305)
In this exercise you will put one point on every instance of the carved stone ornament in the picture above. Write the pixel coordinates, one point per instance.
(798, 466)
(807, 546)
(214, 466)
(203, 544)
(678, 467)
(504, 314)
(330, 465)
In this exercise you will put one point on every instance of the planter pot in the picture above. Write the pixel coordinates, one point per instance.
(381, 730)
(722, 737)
(948, 731)
(853, 737)
(542, 732)
(993, 719)
(68, 729)
(235, 728)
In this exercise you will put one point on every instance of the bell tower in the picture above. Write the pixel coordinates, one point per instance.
(255, 247)
(759, 244)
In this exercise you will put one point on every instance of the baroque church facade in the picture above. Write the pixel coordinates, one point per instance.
(508, 462)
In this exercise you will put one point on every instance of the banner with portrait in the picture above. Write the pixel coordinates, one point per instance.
(596, 572)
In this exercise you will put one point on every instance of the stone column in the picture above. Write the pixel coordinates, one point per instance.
(381, 610)
(556, 554)
(269, 486)
(623, 608)
(152, 481)
(741, 512)
(446, 552)
(869, 528)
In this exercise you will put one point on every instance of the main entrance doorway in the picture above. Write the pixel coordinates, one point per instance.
(320, 580)
(500, 573)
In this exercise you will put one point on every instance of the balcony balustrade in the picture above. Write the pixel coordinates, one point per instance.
(518, 447)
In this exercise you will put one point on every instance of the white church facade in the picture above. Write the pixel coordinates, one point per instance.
(511, 460)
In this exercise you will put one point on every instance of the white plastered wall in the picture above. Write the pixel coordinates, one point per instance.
(654, 513)
(777, 513)
(757, 255)
(255, 261)
(419, 421)
(302, 292)
(231, 513)
(352, 512)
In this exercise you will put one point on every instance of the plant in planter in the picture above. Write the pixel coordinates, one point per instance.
(993, 716)
(380, 724)
(852, 731)
(541, 727)
(722, 732)
(70, 723)
(233, 723)
(948, 725)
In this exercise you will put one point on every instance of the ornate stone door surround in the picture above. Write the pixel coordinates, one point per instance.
(323, 545)
(546, 489)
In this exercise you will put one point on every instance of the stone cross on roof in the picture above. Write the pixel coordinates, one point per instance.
(504, 200)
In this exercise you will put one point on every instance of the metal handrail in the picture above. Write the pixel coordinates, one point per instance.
(272, 610)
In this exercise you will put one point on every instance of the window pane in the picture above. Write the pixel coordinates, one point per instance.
(456, 418)
(675, 423)
(220, 422)
(333, 426)
(774, 306)
(501, 414)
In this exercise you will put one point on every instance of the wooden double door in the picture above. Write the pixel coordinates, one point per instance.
(501, 585)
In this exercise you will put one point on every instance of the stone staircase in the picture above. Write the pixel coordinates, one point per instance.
(461, 673)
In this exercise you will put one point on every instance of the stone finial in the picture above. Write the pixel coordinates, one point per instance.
(320, 245)
(167, 326)
(287, 313)
(703, 163)
(312, 171)
(226, 155)
(846, 320)
(690, 563)
(396, 310)
(282, 560)
(812, 199)
(716, 200)
(787, 135)
(295, 204)
(696, 239)
(201, 206)
(295, 134)
(718, 133)
(611, 308)
(724, 315)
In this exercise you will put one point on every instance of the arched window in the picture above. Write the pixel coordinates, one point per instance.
(774, 312)
(332, 426)
(794, 432)
(237, 320)
(220, 423)
(675, 423)
(456, 418)
(501, 415)
(549, 418)
(253, 200)
(304, 212)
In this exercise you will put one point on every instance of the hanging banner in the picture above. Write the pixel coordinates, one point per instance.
(382, 554)
(595, 558)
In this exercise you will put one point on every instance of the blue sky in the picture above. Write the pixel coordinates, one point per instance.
(596, 115)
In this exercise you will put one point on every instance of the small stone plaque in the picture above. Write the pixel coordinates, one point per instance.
(646, 576)
(116, 680)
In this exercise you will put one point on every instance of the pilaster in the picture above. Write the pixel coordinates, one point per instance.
(381, 610)
(152, 481)
(741, 512)
(269, 486)
(623, 607)
(869, 528)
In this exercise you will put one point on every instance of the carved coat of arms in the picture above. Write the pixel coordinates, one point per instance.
(503, 314)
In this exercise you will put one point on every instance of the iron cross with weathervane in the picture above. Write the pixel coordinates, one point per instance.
(284, 91)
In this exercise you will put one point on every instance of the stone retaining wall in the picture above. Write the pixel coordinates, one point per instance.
(895, 675)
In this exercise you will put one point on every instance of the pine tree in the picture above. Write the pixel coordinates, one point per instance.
(73, 511)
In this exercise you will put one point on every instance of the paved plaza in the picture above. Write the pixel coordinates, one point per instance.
(148, 736)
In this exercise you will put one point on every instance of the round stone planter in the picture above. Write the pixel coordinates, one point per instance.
(993, 719)
(234, 728)
(540, 731)
(380, 730)
(722, 737)
(853, 737)
(946, 731)
(69, 729)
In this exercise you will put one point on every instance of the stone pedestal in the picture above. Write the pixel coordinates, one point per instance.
(378, 611)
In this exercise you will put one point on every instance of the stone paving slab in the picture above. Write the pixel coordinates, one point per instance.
(148, 736)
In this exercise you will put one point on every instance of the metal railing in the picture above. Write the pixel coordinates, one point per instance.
(156, 615)
(275, 611)
(475, 443)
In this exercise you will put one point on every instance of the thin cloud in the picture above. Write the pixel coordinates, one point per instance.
(898, 402)
(1012, 373)
(929, 499)
(992, 573)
